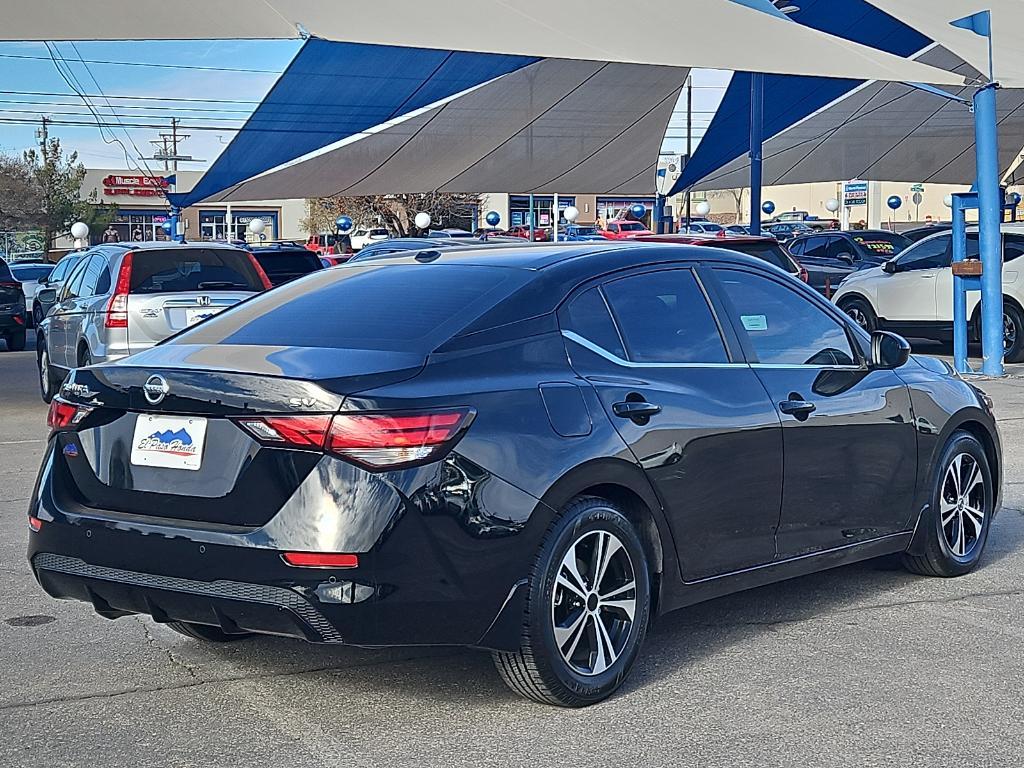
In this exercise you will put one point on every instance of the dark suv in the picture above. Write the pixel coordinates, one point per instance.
(13, 320)
(529, 450)
(830, 257)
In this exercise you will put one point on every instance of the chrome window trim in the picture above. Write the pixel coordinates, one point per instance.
(601, 351)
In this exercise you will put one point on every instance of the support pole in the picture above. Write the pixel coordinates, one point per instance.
(530, 217)
(960, 204)
(659, 214)
(689, 144)
(990, 241)
(756, 142)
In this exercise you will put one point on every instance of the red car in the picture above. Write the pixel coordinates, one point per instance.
(539, 235)
(624, 230)
(764, 248)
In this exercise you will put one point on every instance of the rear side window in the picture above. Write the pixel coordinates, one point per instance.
(784, 327)
(664, 318)
(282, 266)
(399, 307)
(193, 269)
(5, 271)
(816, 247)
(587, 315)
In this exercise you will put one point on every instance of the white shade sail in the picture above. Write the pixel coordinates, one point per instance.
(718, 34)
(885, 132)
(933, 17)
(556, 125)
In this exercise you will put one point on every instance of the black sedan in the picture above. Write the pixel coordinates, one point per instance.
(829, 257)
(529, 450)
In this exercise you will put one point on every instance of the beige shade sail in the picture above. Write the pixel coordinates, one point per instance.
(717, 34)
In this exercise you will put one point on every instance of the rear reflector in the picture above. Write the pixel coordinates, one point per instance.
(374, 440)
(320, 560)
(65, 415)
(35, 523)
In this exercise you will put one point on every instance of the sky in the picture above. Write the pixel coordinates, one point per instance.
(211, 86)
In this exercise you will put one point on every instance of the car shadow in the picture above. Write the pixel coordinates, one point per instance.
(684, 638)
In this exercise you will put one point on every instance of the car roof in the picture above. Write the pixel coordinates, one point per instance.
(153, 245)
(713, 241)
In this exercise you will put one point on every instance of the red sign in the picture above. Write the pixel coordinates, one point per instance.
(116, 185)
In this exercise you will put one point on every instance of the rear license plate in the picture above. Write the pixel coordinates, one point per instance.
(173, 442)
(193, 316)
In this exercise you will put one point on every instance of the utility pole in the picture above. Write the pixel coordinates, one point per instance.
(689, 139)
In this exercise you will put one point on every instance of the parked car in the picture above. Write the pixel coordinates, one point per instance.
(785, 232)
(13, 319)
(122, 298)
(451, 233)
(814, 222)
(29, 276)
(283, 263)
(48, 287)
(764, 248)
(701, 228)
(519, 469)
(323, 244)
(363, 236)
(540, 234)
(913, 293)
(402, 244)
(830, 257)
(920, 233)
(624, 230)
(738, 229)
(578, 233)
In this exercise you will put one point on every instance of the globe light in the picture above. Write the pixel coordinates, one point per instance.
(79, 230)
(948, 201)
(894, 202)
(422, 220)
(831, 205)
(768, 207)
(256, 226)
(343, 223)
(703, 208)
(571, 213)
(493, 218)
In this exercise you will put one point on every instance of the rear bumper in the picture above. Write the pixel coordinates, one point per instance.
(431, 576)
(12, 321)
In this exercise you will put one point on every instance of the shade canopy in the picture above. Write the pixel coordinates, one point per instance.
(722, 34)
(553, 125)
(933, 17)
(884, 131)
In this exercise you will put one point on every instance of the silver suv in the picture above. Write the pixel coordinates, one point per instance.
(122, 298)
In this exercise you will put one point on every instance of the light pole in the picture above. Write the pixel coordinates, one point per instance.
(256, 227)
(80, 231)
(422, 222)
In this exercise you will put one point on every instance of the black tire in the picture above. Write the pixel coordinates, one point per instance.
(16, 341)
(84, 356)
(37, 314)
(1013, 333)
(539, 670)
(861, 312)
(49, 385)
(953, 540)
(206, 633)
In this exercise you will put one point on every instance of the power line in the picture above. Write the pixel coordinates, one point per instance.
(147, 64)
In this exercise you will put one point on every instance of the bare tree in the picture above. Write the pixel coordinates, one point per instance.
(736, 195)
(396, 212)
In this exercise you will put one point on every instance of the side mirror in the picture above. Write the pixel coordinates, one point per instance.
(890, 267)
(888, 351)
(846, 258)
(47, 295)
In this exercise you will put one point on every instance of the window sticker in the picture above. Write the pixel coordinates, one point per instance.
(755, 322)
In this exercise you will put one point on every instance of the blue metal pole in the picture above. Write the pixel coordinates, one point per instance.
(659, 214)
(756, 142)
(531, 218)
(989, 216)
(959, 286)
(175, 218)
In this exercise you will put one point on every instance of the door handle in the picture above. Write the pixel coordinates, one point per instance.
(635, 410)
(801, 409)
(927, 277)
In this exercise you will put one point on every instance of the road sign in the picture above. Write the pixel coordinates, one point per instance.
(855, 193)
(917, 187)
(917, 198)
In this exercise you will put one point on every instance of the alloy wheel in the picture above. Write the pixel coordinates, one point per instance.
(1009, 332)
(594, 603)
(858, 316)
(962, 504)
(44, 372)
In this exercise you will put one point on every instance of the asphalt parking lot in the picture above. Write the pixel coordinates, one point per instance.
(861, 666)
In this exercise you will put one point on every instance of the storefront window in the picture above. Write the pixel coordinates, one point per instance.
(138, 226)
(609, 208)
(519, 210)
(212, 225)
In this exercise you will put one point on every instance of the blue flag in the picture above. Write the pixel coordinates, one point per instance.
(980, 23)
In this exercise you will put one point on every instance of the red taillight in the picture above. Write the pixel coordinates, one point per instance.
(35, 523)
(308, 431)
(320, 560)
(10, 285)
(381, 440)
(374, 440)
(117, 307)
(65, 415)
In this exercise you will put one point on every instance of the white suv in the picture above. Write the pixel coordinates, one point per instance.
(912, 294)
(363, 236)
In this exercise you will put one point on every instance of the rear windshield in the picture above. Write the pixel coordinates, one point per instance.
(282, 266)
(882, 243)
(399, 307)
(33, 272)
(193, 269)
(5, 271)
(635, 226)
(770, 252)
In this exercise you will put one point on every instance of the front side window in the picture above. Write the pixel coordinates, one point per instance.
(665, 318)
(932, 253)
(784, 327)
(73, 286)
(816, 247)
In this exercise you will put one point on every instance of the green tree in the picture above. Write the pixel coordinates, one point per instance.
(59, 179)
(21, 199)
